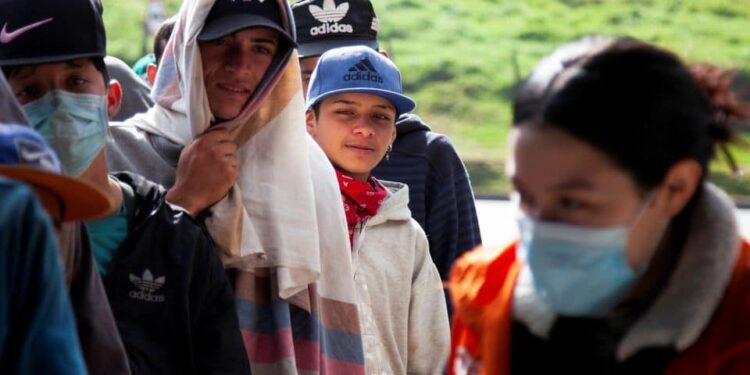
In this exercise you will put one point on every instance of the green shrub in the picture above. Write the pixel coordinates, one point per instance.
(462, 59)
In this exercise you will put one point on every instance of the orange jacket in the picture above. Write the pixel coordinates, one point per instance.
(482, 284)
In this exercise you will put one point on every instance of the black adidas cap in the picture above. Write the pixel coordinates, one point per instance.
(45, 31)
(229, 16)
(327, 24)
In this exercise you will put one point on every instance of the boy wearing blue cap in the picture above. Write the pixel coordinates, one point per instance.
(165, 283)
(354, 99)
(228, 107)
(441, 199)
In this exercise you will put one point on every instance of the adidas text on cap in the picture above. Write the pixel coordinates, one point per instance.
(327, 24)
(24, 156)
(229, 16)
(357, 69)
(46, 31)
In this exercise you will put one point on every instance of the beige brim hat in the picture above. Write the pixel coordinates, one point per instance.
(82, 200)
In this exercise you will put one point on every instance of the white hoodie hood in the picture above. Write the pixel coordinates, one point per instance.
(395, 206)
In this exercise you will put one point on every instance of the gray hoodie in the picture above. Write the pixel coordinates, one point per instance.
(403, 314)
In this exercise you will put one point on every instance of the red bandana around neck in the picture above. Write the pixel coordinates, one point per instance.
(361, 199)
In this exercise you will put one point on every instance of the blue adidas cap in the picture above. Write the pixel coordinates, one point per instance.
(26, 157)
(22, 146)
(357, 69)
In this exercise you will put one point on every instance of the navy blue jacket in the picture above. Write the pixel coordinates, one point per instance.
(169, 294)
(440, 195)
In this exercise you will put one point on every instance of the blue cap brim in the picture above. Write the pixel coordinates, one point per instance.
(402, 102)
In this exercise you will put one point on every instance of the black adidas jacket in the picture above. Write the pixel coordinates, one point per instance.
(168, 291)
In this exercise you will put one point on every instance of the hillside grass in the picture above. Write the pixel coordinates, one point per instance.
(462, 59)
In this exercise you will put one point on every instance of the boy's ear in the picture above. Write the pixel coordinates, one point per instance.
(310, 122)
(114, 98)
(151, 70)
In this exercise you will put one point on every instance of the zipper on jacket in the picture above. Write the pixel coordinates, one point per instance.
(357, 242)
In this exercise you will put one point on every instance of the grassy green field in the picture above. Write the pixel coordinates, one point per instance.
(462, 59)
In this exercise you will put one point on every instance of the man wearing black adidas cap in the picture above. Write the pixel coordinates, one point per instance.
(242, 45)
(166, 286)
(323, 24)
(440, 196)
(229, 118)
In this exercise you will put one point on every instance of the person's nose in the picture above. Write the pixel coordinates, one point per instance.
(364, 127)
(239, 59)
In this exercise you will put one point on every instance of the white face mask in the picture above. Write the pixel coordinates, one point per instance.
(577, 271)
(75, 125)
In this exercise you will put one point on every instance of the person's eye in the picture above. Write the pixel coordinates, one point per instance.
(263, 50)
(77, 81)
(24, 92)
(382, 117)
(27, 94)
(221, 41)
(344, 112)
(573, 204)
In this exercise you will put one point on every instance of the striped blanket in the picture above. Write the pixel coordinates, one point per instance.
(281, 338)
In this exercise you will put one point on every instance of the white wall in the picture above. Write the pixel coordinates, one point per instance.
(498, 226)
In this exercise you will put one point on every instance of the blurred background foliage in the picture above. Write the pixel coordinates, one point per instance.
(461, 60)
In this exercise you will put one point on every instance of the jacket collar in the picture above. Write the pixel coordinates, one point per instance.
(395, 206)
(684, 307)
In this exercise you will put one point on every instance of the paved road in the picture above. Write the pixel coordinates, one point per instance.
(497, 223)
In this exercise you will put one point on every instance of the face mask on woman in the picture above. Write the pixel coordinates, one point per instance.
(75, 125)
(578, 271)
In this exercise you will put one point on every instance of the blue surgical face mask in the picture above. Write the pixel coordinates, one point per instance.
(75, 125)
(577, 271)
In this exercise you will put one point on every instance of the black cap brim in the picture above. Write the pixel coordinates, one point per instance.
(223, 26)
(318, 48)
(50, 59)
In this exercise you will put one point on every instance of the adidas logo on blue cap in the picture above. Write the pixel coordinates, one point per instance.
(363, 70)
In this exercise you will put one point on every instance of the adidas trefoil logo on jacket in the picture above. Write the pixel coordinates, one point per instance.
(147, 285)
(329, 16)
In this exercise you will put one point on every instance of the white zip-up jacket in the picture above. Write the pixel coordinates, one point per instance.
(403, 315)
